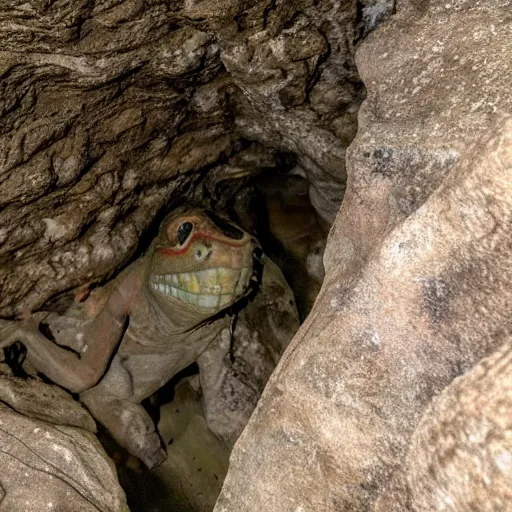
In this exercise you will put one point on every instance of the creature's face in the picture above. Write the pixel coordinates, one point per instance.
(201, 262)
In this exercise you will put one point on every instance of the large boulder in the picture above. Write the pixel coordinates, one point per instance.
(437, 76)
(417, 288)
(49, 455)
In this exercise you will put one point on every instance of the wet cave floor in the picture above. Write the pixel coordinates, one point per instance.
(197, 461)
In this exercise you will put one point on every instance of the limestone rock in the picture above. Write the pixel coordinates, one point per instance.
(50, 458)
(437, 76)
(337, 416)
(461, 455)
(298, 90)
(373, 13)
(91, 137)
(41, 401)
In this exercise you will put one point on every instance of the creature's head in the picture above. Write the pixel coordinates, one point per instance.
(201, 263)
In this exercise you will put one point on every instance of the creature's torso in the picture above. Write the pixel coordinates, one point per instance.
(153, 348)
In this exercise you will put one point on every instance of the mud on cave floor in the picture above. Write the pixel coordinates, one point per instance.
(197, 461)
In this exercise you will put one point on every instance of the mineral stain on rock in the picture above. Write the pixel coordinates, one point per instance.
(436, 298)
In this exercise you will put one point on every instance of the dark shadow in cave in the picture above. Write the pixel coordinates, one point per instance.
(276, 208)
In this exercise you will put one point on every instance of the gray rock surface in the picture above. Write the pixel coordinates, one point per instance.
(50, 458)
(42, 401)
(298, 90)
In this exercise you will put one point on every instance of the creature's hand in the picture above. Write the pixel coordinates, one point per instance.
(12, 331)
(9, 332)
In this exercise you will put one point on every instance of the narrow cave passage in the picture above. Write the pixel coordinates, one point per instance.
(132, 131)
(275, 207)
(293, 235)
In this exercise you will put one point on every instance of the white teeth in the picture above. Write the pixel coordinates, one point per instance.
(194, 286)
(184, 279)
(181, 294)
(212, 288)
(207, 301)
(215, 289)
(208, 275)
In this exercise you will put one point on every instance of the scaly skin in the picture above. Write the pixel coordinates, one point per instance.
(155, 316)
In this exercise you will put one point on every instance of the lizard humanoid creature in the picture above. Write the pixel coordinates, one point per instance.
(153, 320)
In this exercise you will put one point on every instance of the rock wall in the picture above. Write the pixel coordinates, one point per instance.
(49, 456)
(417, 289)
(460, 457)
(113, 110)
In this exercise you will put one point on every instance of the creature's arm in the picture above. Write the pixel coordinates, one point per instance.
(65, 367)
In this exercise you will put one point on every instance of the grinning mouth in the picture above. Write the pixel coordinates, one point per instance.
(212, 288)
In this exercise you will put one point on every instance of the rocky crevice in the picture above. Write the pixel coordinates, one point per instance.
(114, 111)
(111, 111)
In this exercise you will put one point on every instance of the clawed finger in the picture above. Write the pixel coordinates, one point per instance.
(9, 333)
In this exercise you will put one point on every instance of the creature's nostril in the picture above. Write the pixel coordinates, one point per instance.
(202, 252)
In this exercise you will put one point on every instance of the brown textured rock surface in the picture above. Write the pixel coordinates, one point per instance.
(461, 455)
(299, 89)
(43, 401)
(437, 75)
(418, 283)
(47, 464)
(111, 110)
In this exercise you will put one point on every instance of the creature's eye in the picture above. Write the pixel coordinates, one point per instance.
(184, 231)
(226, 227)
